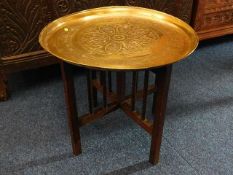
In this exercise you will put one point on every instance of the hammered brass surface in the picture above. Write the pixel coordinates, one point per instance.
(119, 38)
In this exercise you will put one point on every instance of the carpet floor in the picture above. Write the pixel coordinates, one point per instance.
(198, 131)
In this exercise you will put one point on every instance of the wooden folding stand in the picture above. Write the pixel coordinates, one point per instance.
(115, 100)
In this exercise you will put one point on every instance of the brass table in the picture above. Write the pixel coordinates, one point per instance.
(119, 39)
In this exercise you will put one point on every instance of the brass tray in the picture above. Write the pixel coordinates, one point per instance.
(119, 38)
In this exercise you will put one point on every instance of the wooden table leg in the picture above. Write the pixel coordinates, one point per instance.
(72, 114)
(120, 85)
(160, 101)
(3, 87)
(95, 101)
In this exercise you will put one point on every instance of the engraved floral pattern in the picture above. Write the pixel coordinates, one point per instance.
(126, 38)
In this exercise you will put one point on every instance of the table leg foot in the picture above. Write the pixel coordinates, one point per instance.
(160, 101)
(72, 115)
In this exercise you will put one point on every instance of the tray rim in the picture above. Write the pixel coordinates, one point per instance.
(177, 20)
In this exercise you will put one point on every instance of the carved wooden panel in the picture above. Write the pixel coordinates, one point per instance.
(214, 13)
(217, 19)
(63, 7)
(21, 22)
(178, 8)
(86, 4)
(60, 8)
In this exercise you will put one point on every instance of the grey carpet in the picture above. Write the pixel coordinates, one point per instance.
(198, 131)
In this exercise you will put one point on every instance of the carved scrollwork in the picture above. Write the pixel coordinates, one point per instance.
(218, 18)
(180, 8)
(214, 13)
(62, 7)
(21, 22)
(215, 3)
(135, 3)
(86, 4)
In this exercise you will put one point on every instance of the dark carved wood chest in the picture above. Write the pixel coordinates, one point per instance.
(213, 18)
(21, 22)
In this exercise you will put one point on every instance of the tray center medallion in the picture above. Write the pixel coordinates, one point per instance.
(116, 39)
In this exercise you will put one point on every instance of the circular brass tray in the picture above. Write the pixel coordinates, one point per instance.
(119, 38)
